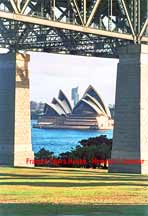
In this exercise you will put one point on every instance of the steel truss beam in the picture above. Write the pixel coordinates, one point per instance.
(50, 23)
(78, 26)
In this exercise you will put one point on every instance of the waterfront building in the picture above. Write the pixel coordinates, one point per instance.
(59, 106)
(89, 113)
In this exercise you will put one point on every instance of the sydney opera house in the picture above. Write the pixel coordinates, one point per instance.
(89, 113)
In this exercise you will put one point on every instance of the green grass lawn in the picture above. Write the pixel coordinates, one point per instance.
(44, 191)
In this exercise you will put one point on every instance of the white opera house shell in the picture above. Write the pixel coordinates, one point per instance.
(89, 113)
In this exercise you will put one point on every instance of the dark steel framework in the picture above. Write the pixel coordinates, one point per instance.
(79, 27)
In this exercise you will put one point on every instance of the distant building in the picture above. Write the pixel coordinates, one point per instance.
(40, 107)
(89, 113)
(36, 109)
(75, 95)
(33, 106)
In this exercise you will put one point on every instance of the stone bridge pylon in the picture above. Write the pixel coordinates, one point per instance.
(130, 138)
(15, 131)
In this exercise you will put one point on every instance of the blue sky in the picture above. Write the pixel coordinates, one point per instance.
(51, 72)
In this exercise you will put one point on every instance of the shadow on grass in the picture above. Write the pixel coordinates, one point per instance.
(65, 209)
(72, 184)
(61, 169)
(57, 180)
(80, 178)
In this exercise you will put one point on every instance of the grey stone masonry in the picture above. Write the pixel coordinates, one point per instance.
(15, 133)
(130, 137)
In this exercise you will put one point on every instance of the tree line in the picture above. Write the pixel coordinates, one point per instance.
(90, 153)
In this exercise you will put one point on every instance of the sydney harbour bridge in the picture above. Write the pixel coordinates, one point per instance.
(78, 27)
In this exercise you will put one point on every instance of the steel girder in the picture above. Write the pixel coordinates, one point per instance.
(80, 27)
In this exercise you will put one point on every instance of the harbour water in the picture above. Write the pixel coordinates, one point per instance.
(62, 140)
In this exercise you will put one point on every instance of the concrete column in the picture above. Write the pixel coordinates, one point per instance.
(130, 138)
(15, 131)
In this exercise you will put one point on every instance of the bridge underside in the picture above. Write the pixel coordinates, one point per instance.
(78, 27)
